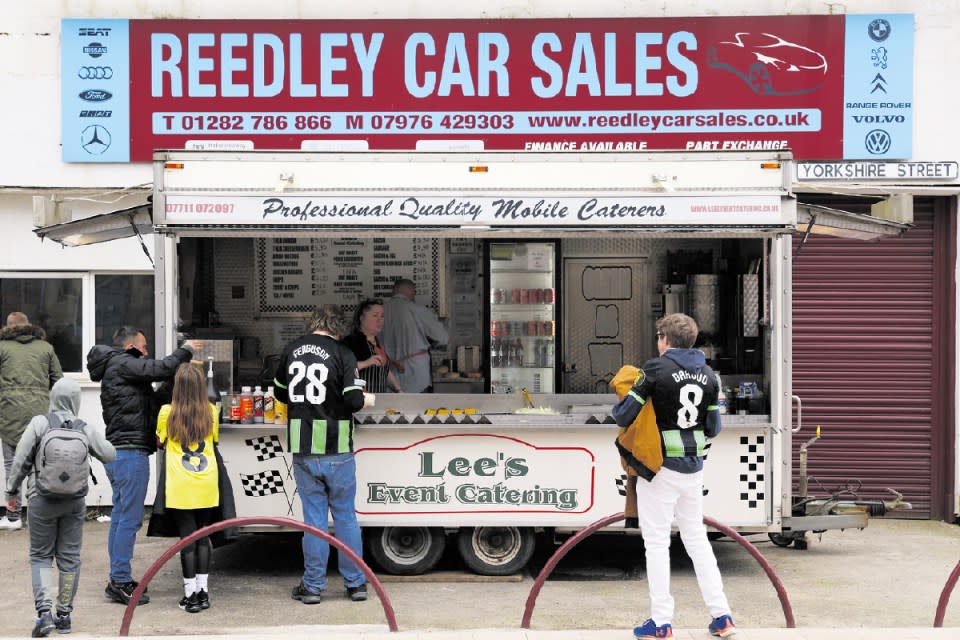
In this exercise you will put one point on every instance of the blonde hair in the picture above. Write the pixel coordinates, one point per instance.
(190, 419)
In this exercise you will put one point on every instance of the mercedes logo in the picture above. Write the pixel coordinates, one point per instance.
(95, 139)
(877, 142)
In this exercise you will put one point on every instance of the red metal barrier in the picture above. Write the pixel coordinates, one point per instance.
(617, 517)
(234, 522)
(945, 596)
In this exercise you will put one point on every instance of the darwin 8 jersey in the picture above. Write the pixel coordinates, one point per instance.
(317, 379)
(681, 398)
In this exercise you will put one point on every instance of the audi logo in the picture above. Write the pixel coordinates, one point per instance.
(95, 73)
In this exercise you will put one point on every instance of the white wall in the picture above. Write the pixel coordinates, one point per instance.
(29, 60)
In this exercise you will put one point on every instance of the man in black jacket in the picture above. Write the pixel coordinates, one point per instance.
(129, 413)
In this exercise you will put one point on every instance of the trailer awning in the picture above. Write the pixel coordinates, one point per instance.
(821, 220)
(124, 223)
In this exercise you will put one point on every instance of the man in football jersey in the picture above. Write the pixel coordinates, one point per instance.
(684, 392)
(318, 380)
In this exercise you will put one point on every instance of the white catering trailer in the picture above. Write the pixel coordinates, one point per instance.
(477, 463)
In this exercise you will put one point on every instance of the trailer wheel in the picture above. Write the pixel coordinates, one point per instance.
(496, 551)
(780, 540)
(406, 551)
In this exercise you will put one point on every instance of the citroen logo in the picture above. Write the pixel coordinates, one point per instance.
(95, 139)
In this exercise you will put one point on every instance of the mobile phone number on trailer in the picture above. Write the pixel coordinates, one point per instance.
(278, 123)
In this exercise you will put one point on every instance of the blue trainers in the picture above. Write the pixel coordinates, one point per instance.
(722, 627)
(650, 631)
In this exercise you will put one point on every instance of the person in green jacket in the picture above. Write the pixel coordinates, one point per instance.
(28, 369)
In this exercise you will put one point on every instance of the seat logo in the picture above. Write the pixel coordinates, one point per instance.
(95, 73)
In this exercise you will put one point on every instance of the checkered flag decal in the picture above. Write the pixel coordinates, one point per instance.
(266, 446)
(622, 484)
(262, 484)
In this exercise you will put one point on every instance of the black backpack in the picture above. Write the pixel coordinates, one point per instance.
(62, 461)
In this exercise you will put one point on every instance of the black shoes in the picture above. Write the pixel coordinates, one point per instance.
(122, 592)
(357, 594)
(43, 625)
(191, 603)
(62, 621)
(203, 598)
(305, 595)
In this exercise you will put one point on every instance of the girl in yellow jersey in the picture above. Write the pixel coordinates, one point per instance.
(187, 429)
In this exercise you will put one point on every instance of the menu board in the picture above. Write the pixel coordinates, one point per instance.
(296, 274)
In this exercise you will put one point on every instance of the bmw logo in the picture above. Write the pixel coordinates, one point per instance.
(878, 30)
(95, 139)
(877, 142)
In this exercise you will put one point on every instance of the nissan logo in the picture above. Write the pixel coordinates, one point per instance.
(877, 142)
(95, 73)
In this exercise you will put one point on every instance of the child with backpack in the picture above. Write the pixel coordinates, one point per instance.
(54, 452)
(187, 430)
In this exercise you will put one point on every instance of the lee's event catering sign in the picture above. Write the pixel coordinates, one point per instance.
(827, 87)
(475, 473)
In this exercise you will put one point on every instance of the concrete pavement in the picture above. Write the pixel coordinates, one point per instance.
(882, 581)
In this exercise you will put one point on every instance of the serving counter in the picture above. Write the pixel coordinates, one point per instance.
(467, 460)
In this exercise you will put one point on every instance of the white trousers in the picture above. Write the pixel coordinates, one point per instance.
(679, 496)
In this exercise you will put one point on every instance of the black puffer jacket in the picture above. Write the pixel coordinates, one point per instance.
(129, 403)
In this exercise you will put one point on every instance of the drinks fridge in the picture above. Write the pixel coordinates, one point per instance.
(522, 343)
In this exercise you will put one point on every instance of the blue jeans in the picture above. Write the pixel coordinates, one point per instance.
(328, 482)
(129, 475)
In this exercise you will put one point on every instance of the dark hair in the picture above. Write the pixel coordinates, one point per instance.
(362, 308)
(402, 283)
(125, 334)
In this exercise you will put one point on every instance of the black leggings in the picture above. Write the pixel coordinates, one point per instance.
(195, 557)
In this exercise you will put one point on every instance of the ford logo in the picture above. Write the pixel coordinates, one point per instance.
(95, 95)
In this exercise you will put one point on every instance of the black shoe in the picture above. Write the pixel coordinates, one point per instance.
(122, 592)
(190, 604)
(43, 626)
(305, 595)
(62, 620)
(357, 594)
(203, 598)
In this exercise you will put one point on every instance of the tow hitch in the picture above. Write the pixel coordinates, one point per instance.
(840, 509)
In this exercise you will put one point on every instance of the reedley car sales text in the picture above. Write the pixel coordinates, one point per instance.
(263, 65)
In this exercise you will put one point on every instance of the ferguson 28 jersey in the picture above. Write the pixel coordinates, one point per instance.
(317, 378)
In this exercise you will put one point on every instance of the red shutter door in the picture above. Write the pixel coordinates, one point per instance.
(865, 361)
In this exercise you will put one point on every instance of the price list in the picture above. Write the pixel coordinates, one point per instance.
(295, 274)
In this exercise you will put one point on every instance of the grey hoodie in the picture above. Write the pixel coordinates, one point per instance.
(65, 402)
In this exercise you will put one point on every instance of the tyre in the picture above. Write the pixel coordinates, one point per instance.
(496, 551)
(406, 551)
(780, 540)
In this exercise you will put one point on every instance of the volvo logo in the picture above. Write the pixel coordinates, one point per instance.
(95, 139)
(877, 142)
(95, 95)
(878, 30)
(95, 49)
(95, 73)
